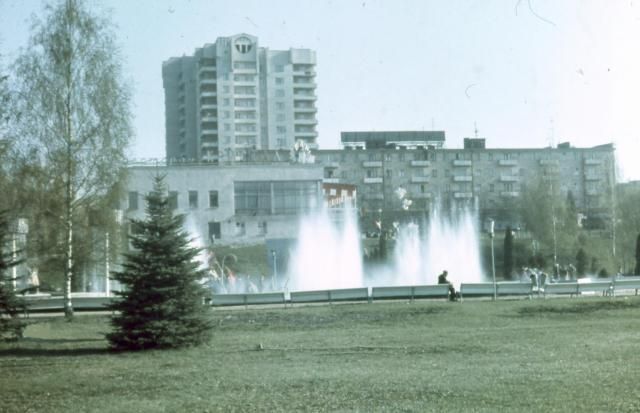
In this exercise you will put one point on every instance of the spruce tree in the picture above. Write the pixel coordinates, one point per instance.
(581, 262)
(162, 304)
(11, 325)
(508, 254)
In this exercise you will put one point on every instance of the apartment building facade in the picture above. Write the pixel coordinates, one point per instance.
(490, 179)
(232, 97)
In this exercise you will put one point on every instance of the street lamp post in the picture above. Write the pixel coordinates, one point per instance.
(107, 266)
(14, 258)
(493, 260)
(19, 233)
(275, 269)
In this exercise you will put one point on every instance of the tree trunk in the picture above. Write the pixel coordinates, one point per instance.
(68, 307)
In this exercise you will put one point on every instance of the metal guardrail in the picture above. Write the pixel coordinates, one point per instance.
(99, 301)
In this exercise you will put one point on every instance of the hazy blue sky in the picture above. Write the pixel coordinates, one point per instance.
(529, 72)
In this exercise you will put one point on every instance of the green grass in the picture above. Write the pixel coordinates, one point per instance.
(560, 355)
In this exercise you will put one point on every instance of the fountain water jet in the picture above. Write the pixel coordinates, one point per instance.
(328, 253)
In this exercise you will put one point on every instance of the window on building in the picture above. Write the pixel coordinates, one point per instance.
(280, 105)
(133, 201)
(240, 229)
(193, 199)
(401, 173)
(262, 228)
(280, 117)
(294, 197)
(279, 81)
(226, 102)
(173, 199)
(213, 199)
(252, 198)
(281, 129)
(279, 68)
(214, 231)
(279, 93)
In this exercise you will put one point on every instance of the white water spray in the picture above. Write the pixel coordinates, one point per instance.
(328, 253)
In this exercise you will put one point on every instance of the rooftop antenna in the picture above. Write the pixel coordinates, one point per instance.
(552, 137)
(475, 129)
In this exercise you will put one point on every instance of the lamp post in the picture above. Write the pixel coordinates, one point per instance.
(493, 260)
(19, 232)
(274, 256)
(14, 258)
(107, 266)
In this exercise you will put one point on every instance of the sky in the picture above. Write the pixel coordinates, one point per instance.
(527, 73)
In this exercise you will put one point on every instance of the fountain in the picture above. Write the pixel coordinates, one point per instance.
(328, 254)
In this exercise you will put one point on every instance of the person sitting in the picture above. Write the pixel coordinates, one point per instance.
(442, 279)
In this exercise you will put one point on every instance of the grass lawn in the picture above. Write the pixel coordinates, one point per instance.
(579, 354)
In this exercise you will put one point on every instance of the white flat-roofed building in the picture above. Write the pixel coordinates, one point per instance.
(232, 204)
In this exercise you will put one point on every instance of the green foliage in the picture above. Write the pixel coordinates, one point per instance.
(11, 306)
(581, 262)
(594, 265)
(508, 254)
(637, 270)
(72, 113)
(247, 259)
(627, 229)
(549, 216)
(162, 305)
(537, 260)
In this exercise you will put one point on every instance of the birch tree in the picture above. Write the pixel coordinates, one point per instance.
(73, 112)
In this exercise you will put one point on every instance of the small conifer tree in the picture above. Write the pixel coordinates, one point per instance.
(162, 304)
(581, 262)
(11, 325)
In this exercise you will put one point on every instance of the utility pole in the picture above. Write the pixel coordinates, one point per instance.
(107, 265)
(493, 260)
